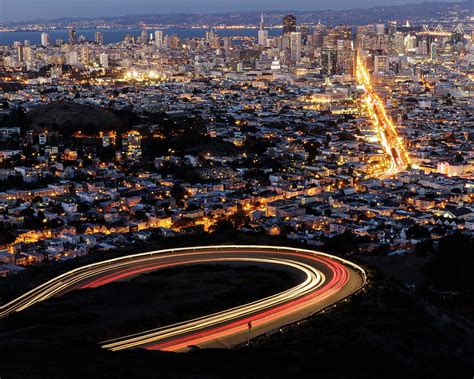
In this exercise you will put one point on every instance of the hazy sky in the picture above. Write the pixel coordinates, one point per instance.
(18, 10)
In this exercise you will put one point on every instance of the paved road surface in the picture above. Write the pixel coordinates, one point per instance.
(324, 280)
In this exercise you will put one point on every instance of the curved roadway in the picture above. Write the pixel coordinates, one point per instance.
(324, 280)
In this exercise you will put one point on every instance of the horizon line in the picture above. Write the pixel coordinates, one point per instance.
(103, 17)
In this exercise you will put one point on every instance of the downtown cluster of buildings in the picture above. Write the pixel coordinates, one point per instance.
(286, 144)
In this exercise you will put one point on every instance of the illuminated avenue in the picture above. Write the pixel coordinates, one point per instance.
(324, 281)
(386, 130)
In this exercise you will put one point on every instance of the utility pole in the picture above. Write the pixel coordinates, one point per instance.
(249, 325)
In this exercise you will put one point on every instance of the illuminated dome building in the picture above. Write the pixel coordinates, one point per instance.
(276, 64)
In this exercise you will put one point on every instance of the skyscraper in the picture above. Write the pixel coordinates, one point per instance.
(73, 58)
(227, 45)
(433, 51)
(295, 46)
(104, 60)
(380, 63)
(28, 53)
(44, 39)
(392, 30)
(144, 37)
(21, 54)
(262, 33)
(345, 62)
(329, 61)
(289, 24)
(72, 37)
(158, 38)
(392, 27)
(99, 38)
(380, 29)
(85, 57)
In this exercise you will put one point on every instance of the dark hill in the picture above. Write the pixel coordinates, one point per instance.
(70, 117)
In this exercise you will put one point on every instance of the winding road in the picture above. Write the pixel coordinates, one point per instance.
(323, 281)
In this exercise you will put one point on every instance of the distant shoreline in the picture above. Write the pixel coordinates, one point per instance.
(116, 35)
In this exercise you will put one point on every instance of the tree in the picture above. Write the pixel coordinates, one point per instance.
(223, 226)
(178, 192)
(239, 218)
(341, 243)
(37, 199)
(424, 248)
(452, 264)
(418, 232)
(459, 158)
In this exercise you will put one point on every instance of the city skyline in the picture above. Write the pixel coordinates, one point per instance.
(29, 10)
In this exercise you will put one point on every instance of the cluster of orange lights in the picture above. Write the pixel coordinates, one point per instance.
(386, 130)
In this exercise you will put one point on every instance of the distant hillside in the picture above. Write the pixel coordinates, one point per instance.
(70, 117)
(416, 13)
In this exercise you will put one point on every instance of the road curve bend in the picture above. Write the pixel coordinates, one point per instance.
(325, 280)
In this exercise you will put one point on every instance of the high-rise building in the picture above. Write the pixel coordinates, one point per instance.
(304, 30)
(104, 60)
(44, 39)
(295, 46)
(85, 57)
(289, 24)
(399, 43)
(227, 45)
(317, 39)
(392, 30)
(392, 27)
(380, 64)
(73, 58)
(174, 42)
(380, 29)
(144, 37)
(330, 39)
(329, 61)
(344, 32)
(72, 37)
(28, 53)
(283, 42)
(21, 54)
(410, 42)
(362, 37)
(262, 33)
(99, 38)
(433, 51)
(131, 146)
(158, 38)
(345, 62)
(128, 38)
(213, 39)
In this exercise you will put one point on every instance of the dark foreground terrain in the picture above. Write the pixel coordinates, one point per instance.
(145, 302)
(382, 332)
